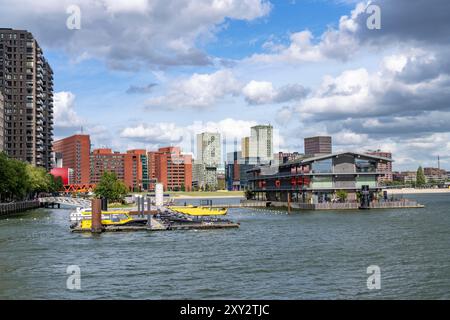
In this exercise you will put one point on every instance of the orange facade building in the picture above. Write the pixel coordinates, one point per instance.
(74, 152)
(171, 168)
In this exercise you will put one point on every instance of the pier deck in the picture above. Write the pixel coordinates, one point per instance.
(193, 226)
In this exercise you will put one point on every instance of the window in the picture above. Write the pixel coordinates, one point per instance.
(322, 166)
(364, 165)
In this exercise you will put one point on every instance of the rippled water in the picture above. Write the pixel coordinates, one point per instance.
(272, 256)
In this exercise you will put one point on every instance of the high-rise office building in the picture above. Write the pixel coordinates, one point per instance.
(26, 81)
(2, 122)
(319, 145)
(208, 149)
(204, 173)
(74, 152)
(261, 143)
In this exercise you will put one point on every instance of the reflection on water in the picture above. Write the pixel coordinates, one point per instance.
(272, 256)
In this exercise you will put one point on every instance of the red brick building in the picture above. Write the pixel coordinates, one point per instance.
(171, 168)
(126, 166)
(383, 166)
(75, 154)
(136, 165)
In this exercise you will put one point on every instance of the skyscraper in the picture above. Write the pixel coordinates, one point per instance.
(26, 81)
(2, 121)
(208, 149)
(261, 143)
(208, 160)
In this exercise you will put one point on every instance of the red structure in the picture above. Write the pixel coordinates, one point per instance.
(66, 174)
(79, 188)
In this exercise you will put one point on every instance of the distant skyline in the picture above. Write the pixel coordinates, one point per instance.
(144, 74)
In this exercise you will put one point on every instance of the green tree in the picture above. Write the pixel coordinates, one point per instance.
(342, 195)
(20, 181)
(420, 177)
(111, 188)
(57, 184)
(39, 179)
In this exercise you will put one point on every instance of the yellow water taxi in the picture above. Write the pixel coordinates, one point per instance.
(199, 210)
(109, 218)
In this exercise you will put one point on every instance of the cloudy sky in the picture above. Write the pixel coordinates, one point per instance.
(148, 73)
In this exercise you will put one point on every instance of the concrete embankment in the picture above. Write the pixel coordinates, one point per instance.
(16, 207)
(417, 191)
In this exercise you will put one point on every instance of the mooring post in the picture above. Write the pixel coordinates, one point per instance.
(149, 217)
(289, 202)
(138, 199)
(96, 216)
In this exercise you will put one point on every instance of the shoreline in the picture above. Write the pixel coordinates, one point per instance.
(417, 191)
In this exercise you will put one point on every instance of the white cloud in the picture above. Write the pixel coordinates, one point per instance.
(300, 49)
(198, 91)
(167, 31)
(259, 92)
(64, 112)
(155, 133)
(263, 92)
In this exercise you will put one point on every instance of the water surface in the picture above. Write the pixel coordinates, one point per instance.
(273, 255)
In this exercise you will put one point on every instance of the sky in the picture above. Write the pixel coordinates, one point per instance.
(151, 73)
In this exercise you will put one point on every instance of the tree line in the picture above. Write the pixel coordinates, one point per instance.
(21, 181)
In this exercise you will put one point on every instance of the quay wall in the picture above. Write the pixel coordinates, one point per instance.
(15, 207)
(402, 204)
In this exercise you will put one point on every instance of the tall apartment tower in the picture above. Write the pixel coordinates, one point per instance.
(261, 143)
(2, 121)
(208, 149)
(318, 145)
(75, 154)
(26, 81)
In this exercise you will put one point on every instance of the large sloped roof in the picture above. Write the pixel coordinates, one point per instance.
(333, 155)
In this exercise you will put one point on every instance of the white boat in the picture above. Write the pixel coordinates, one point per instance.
(77, 215)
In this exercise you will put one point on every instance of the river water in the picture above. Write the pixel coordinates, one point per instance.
(273, 255)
